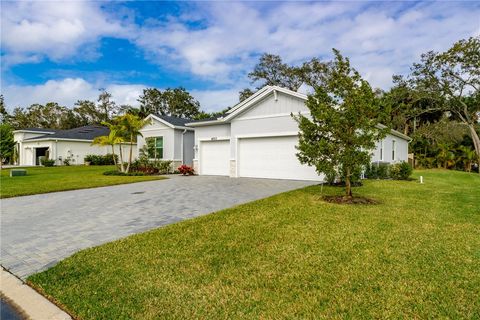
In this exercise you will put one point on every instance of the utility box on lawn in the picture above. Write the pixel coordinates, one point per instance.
(18, 172)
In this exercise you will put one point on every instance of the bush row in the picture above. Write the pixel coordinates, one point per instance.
(151, 166)
(396, 171)
(99, 160)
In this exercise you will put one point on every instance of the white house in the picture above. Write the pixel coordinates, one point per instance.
(168, 139)
(257, 138)
(32, 144)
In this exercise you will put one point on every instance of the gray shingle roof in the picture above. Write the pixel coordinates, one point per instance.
(81, 133)
(39, 130)
(180, 122)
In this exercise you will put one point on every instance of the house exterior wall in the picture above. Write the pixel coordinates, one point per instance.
(62, 149)
(209, 132)
(401, 150)
(158, 129)
(188, 147)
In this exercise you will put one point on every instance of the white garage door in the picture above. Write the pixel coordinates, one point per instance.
(215, 158)
(272, 157)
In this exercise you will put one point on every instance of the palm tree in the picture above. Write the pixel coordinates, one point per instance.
(445, 157)
(130, 127)
(112, 139)
(468, 156)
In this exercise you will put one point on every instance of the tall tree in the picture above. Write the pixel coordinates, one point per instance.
(106, 107)
(177, 102)
(272, 71)
(4, 116)
(151, 101)
(87, 113)
(343, 127)
(7, 145)
(452, 79)
(245, 94)
(51, 115)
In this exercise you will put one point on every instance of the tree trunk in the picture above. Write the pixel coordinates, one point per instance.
(130, 155)
(348, 185)
(121, 158)
(113, 155)
(476, 141)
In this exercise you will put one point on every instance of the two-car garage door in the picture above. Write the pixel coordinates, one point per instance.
(257, 157)
(272, 157)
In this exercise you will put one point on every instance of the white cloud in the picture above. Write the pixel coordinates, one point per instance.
(220, 42)
(32, 30)
(67, 91)
(379, 38)
(216, 100)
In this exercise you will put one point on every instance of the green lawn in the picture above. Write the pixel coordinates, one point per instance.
(50, 179)
(415, 255)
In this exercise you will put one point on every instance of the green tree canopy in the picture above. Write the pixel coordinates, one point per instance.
(177, 102)
(452, 80)
(342, 130)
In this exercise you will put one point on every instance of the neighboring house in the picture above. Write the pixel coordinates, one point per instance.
(257, 138)
(167, 138)
(33, 144)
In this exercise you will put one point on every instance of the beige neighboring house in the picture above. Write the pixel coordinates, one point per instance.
(34, 144)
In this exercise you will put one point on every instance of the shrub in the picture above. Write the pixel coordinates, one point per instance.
(185, 170)
(147, 166)
(66, 161)
(119, 173)
(100, 160)
(377, 171)
(400, 171)
(163, 166)
(48, 162)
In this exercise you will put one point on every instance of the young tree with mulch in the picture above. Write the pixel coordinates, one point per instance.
(343, 127)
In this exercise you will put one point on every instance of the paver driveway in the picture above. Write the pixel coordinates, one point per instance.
(38, 231)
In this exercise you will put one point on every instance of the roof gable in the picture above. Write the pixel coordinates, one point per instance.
(172, 122)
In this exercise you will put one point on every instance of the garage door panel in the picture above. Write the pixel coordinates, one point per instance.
(272, 157)
(215, 157)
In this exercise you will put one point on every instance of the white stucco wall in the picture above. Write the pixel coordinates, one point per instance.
(401, 150)
(158, 129)
(173, 140)
(61, 149)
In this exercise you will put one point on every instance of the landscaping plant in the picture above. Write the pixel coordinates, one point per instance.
(186, 170)
(343, 123)
(48, 162)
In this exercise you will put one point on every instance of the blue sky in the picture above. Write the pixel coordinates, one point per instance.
(65, 51)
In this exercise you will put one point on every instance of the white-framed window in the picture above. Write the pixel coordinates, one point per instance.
(394, 149)
(154, 147)
(381, 150)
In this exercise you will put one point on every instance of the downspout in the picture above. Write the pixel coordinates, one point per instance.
(183, 137)
(56, 151)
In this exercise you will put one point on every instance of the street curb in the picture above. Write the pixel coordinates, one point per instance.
(32, 304)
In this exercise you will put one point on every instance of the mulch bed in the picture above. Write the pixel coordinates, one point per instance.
(347, 200)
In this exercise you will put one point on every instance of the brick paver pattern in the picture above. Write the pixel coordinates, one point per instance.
(38, 231)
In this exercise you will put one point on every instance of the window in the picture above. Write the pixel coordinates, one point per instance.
(154, 147)
(381, 150)
(394, 146)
